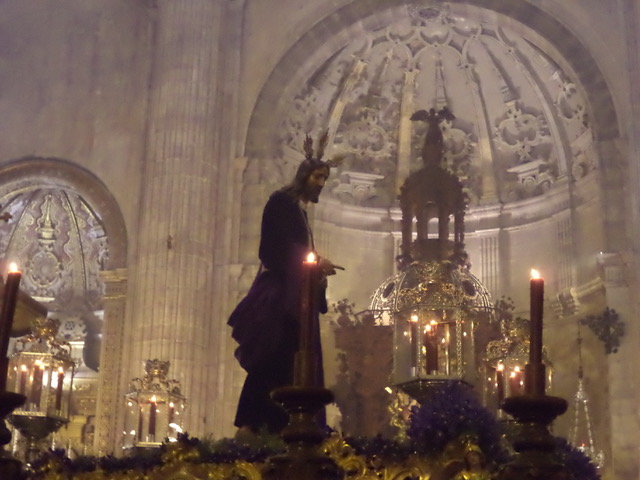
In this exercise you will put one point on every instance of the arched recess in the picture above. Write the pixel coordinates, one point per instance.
(331, 35)
(66, 230)
(291, 90)
(34, 172)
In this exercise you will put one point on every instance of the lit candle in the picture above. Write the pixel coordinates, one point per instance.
(431, 344)
(140, 418)
(500, 382)
(36, 384)
(415, 346)
(306, 356)
(152, 418)
(23, 379)
(59, 388)
(515, 382)
(172, 410)
(9, 300)
(308, 300)
(537, 302)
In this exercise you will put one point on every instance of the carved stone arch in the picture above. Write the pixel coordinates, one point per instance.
(333, 32)
(29, 172)
(291, 84)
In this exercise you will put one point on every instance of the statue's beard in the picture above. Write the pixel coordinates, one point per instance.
(312, 194)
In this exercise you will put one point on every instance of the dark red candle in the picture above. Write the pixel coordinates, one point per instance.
(9, 301)
(515, 382)
(36, 384)
(308, 296)
(500, 383)
(537, 304)
(24, 373)
(153, 406)
(415, 343)
(59, 389)
(431, 345)
(172, 410)
(305, 358)
(140, 417)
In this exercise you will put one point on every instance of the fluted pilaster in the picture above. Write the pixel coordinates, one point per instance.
(109, 399)
(173, 287)
(622, 391)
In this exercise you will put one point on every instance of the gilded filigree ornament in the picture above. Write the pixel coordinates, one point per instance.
(44, 338)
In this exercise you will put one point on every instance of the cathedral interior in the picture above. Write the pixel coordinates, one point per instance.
(141, 139)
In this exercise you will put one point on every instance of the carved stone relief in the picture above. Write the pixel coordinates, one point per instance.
(517, 109)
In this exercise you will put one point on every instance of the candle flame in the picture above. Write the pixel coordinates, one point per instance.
(23, 368)
(311, 258)
(13, 267)
(500, 367)
(153, 399)
(535, 273)
(414, 318)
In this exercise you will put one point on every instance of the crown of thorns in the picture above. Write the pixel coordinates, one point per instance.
(311, 155)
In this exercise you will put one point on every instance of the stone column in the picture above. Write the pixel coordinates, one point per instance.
(631, 15)
(109, 398)
(172, 285)
(623, 390)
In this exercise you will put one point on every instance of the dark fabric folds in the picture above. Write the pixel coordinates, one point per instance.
(259, 322)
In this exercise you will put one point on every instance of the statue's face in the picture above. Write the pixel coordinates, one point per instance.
(314, 184)
(474, 459)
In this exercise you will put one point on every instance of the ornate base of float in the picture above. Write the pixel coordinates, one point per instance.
(183, 461)
(536, 458)
(303, 436)
(9, 466)
(309, 455)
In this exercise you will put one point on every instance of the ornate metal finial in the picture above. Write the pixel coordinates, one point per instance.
(433, 147)
(156, 378)
(43, 338)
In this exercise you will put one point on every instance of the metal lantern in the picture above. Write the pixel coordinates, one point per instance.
(154, 407)
(42, 370)
(435, 308)
(505, 360)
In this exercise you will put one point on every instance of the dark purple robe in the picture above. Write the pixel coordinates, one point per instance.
(268, 338)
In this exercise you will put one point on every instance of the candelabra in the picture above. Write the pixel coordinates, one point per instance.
(154, 407)
(41, 369)
(304, 400)
(506, 357)
(534, 411)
